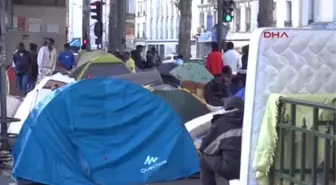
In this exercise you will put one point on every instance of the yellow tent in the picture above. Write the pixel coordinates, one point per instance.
(85, 56)
(103, 65)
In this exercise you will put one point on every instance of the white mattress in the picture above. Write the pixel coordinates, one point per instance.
(305, 62)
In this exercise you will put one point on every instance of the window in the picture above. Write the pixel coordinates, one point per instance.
(201, 18)
(157, 30)
(177, 27)
(248, 19)
(172, 28)
(167, 29)
(288, 20)
(237, 20)
(138, 30)
(151, 29)
(215, 17)
(144, 30)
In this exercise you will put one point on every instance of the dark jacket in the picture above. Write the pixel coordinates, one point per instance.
(34, 66)
(149, 60)
(22, 61)
(244, 60)
(215, 90)
(136, 56)
(221, 147)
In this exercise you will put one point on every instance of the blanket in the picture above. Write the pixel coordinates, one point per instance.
(267, 142)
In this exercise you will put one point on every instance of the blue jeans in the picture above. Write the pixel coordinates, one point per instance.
(22, 83)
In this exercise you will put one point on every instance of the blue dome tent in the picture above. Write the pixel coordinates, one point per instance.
(103, 131)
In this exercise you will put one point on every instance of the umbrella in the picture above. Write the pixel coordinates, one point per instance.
(192, 72)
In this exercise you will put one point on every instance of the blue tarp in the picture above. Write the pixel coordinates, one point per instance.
(103, 131)
(75, 42)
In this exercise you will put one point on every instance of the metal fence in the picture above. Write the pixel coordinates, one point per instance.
(301, 143)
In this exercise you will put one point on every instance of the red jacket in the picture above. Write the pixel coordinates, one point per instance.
(214, 62)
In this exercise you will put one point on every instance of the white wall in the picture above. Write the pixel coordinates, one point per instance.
(162, 19)
(75, 19)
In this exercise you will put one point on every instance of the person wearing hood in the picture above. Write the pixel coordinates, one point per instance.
(221, 147)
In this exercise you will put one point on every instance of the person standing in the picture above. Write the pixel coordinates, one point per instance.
(232, 57)
(244, 57)
(214, 62)
(22, 62)
(221, 147)
(66, 58)
(130, 64)
(156, 57)
(149, 59)
(179, 60)
(34, 67)
(136, 56)
(46, 58)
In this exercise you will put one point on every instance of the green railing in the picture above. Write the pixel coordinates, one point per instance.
(300, 143)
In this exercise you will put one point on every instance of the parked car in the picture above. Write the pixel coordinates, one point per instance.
(169, 58)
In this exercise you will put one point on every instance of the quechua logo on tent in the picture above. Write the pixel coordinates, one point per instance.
(152, 163)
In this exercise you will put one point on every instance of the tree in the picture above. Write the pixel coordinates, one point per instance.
(184, 42)
(265, 15)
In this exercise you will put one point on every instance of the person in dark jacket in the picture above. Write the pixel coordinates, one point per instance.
(149, 59)
(22, 62)
(216, 89)
(227, 71)
(221, 147)
(136, 55)
(34, 67)
(244, 58)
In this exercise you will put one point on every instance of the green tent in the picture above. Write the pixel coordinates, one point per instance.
(186, 104)
(192, 72)
(88, 56)
(103, 65)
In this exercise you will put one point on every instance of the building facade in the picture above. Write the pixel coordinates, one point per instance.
(32, 21)
(157, 25)
(75, 10)
(157, 20)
